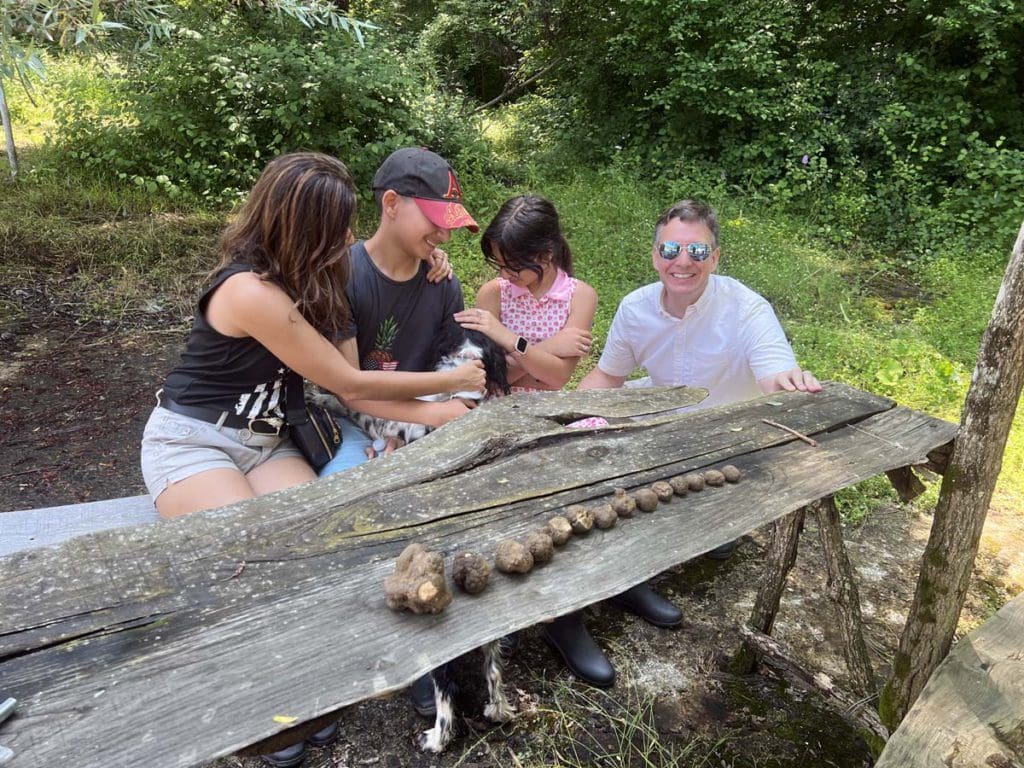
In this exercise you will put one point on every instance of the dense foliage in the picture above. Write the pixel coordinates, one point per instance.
(203, 111)
(894, 118)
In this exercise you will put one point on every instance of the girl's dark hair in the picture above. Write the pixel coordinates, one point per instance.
(524, 230)
(293, 230)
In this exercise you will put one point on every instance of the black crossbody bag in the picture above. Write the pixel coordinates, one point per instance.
(311, 427)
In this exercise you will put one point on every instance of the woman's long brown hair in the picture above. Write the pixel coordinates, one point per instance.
(294, 231)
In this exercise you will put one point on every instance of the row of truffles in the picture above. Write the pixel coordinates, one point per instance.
(418, 583)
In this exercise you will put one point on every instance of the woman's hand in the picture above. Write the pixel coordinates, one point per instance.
(469, 377)
(483, 321)
(569, 342)
(440, 267)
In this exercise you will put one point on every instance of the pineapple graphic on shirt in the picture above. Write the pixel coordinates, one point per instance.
(380, 359)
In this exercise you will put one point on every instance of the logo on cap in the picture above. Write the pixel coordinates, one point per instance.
(454, 191)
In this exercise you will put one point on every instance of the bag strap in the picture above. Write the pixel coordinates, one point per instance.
(295, 400)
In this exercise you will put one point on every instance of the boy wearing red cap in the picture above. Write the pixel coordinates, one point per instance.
(396, 311)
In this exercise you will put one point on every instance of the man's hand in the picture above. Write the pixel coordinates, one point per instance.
(440, 267)
(792, 380)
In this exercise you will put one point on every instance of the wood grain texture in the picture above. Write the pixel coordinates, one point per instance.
(153, 646)
(971, 712)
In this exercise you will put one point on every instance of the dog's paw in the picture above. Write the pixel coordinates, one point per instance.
(431, 741)
(499, 711)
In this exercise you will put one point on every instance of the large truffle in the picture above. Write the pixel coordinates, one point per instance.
(418, 582)
(471, 572)
(696, 481)
(559, 529)
(732, 473)
(541, 547)
(663, 490)
(680, 485)
(646, 499)
(623, 503)
(512, 557)
(581, 520)
(604, 516)
(714, 477)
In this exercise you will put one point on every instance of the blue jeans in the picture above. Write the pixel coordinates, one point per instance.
(353, 449)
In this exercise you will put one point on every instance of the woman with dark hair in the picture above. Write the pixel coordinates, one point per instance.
(535, 309)
(274, 304)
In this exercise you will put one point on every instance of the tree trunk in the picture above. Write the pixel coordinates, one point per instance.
(963, 498)
(5, 117)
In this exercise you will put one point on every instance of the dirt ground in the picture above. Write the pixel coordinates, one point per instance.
(73, 401)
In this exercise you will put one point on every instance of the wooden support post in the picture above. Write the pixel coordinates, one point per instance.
(842, 590)
(779, 560)
(966, 492)
(856, 713)
(907, 484)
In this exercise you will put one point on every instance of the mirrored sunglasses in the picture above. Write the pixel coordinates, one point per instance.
(696, 251)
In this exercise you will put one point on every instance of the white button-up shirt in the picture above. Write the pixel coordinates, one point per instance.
(727, 340)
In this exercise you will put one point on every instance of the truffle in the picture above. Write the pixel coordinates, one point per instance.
(714, 477)
(680, 485)
(623, 503)
(559, 530)
(418, 582)
(604, 516)
(646, 499)
(541, 547)
(471, 572)
(696, 481)
(512, 557)
(581, 520)
(732, 473)
(663, 489)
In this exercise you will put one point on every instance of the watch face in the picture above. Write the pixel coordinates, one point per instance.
(521, 345)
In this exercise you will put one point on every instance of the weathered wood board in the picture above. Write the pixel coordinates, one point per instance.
(31, 528)
(971, 711)
(156, 646)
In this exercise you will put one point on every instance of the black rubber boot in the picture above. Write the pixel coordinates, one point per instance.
(421, 692)
(289, 757)
(568, 635)
(649, 606)
(723, 552)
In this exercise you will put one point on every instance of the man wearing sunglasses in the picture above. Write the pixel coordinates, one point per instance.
(692, 328)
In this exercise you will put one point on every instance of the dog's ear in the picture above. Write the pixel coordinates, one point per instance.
(447, 340)
(496, 369)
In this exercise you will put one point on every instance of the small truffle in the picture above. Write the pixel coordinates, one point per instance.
(418, 582)
(680, 485)
(512, 557)
(696, 481)
(732, 473)
(581, 520)
(559, 530)
(623, 503)
(541, 547)
(714, 477)
(604, 516)
(646, 499)
(663, 489)
(471, 572)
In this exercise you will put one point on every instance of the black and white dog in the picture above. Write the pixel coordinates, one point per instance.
(453, 347)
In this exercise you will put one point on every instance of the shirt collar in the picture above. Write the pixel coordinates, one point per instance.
(560, 290)
(699, 307)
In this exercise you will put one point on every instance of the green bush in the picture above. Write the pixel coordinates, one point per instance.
(203, 114)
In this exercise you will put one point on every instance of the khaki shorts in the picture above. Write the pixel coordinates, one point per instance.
(175, 447)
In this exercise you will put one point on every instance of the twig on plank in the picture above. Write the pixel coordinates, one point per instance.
(237, 573)
(784, 428)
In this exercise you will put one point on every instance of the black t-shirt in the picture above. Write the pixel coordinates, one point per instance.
(395, 323)
(225, 373)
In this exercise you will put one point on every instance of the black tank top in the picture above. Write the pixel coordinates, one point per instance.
(227, 373)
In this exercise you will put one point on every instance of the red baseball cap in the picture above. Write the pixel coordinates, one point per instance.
(427, 178)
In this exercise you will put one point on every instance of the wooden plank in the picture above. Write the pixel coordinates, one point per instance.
(141, 646)
(971, 711)
(46, 526)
